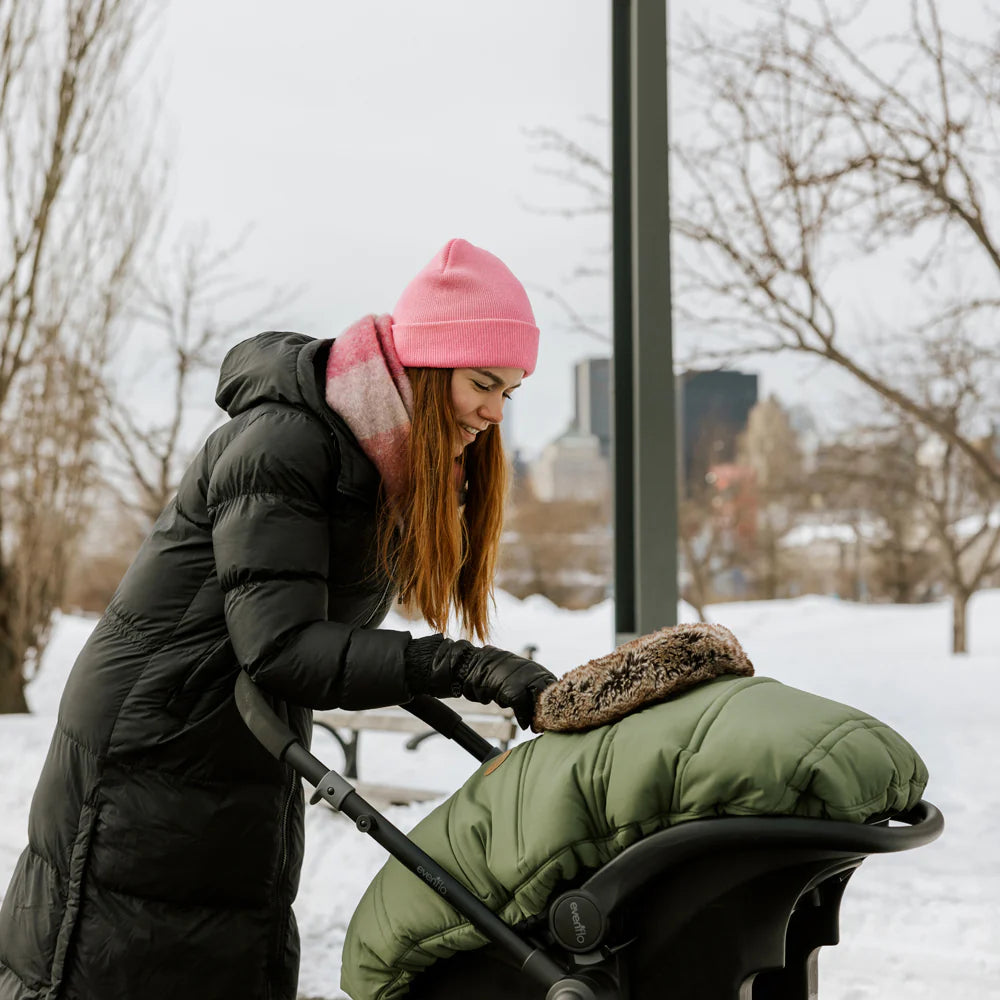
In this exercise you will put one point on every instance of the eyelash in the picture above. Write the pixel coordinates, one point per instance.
(486, 388)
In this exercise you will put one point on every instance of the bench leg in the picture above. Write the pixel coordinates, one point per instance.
(414, 741)
(349, 746)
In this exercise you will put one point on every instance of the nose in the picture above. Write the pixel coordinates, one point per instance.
(492, 410)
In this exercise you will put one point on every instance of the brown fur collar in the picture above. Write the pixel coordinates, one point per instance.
(648, 669)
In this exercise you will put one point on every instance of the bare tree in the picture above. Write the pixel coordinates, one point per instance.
(706, 538)
(865, 480)
(584, 178)
(959, 505)
(820, 150)
(815, 143)
(717, 516)
(770, 448)
(558, 548)
(932, 517)
(189, 309)
(817, 149)
(74, 211)
(46, 490)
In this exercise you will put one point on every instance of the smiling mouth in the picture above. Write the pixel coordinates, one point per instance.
(469, 432)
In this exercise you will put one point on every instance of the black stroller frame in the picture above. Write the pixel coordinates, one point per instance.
(714, 909)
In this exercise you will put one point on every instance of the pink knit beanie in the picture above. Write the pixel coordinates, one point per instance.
(465, 310)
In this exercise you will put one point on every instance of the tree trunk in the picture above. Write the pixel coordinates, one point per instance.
(959, 607)
(693, 597)
(11, 684)
(11, 674)
(772, 570)
(11, 667)
(697, 593)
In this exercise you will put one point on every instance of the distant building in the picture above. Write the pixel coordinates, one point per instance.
(571, 468)
(803, 422)
(518, 466)
(576, 466)
(592, 400)
(714, 408)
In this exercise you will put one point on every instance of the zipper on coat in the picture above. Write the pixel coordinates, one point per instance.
(279, 944)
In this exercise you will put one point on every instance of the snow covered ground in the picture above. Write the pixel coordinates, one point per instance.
(920, 925)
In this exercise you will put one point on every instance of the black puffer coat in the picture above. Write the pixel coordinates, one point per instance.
(165, 844)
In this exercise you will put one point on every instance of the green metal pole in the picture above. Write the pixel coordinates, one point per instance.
(621, 366)
(646, 450)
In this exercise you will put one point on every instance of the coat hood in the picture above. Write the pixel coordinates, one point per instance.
(273, 367)
(289, 368)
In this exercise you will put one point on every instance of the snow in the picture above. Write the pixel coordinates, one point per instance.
(969, 526)
(918, 925)
(805, 535)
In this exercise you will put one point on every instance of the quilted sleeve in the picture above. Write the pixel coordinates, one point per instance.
(269, 501)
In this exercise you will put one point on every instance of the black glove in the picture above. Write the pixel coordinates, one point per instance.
(446, 667)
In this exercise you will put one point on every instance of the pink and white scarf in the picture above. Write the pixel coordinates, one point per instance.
(367, 385)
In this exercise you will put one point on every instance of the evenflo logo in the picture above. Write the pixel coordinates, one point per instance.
(577, 922)
(434, 881)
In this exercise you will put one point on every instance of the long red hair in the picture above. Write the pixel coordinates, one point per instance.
(441, 548)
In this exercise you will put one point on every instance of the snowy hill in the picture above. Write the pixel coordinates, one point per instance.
(918, 926)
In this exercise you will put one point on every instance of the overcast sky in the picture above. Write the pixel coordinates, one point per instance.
(357, 137)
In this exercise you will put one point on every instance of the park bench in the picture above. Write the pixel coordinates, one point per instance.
(489, 721)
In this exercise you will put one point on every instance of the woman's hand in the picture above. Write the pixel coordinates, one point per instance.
(445, 667)
(507, 679)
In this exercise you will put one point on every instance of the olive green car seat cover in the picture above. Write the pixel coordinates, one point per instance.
(566, 803)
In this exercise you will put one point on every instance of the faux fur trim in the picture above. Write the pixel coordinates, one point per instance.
(649, 669)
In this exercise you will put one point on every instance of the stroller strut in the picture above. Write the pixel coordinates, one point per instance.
(330, 786)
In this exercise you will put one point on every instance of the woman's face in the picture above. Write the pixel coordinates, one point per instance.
(478, 396)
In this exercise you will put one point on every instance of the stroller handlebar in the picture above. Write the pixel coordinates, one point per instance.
(451, 725)
(279, 740)
(276, 737)
(261, 719)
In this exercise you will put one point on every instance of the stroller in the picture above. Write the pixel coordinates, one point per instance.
(713, 909)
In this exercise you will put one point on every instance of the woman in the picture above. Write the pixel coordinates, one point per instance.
(165, 844)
